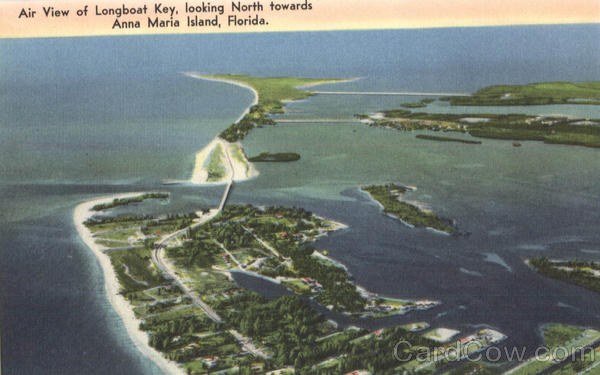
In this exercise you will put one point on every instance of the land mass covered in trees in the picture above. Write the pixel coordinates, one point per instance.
(389, 196)
(275, 157)
(272, 92)
(532, 94)
(516, 127)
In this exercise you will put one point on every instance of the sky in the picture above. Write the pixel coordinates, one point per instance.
(17, 20)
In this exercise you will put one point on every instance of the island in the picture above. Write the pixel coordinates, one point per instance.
(270, 93)
(515, 127)
(447, 139)
(275, 157)
(420, 104)
(223, 160)
(179, 281)
(390, 198)
(532, 94)
(125, 201)
(172, 278)
(583, 273)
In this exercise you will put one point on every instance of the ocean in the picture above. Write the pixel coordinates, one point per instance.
(85, 117)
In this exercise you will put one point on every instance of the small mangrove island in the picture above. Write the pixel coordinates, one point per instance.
(447, 139)
(275, 157)
(125, 201)
(582, 273)
(389, 196)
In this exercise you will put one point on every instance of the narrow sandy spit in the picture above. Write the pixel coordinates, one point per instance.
(123, 308)
(240, 172)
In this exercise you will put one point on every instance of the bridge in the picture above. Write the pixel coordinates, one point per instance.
(399, 93)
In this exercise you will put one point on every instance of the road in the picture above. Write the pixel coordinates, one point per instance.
(247, 345)
(266, 245)
(166, 268)
(169, 272)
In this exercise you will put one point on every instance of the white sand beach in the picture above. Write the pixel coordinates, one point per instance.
(123, 308)
(238, 168)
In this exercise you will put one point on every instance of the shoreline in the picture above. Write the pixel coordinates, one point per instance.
(231, 82)
(199, 174)
(120, 305)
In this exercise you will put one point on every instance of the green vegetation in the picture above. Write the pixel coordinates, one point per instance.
(553, 130)
(238, 154)
(586, 274)
(532, 94)
(272, 91)
(568, 338)
(447, 139)
(388, 196)
(215, 169)
(275, 157)
(420, 104)
(474, 369)
(270, 242)
(123, 202)
(557, 334)
(134, 269)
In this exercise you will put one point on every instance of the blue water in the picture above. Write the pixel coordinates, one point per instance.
(83, 117)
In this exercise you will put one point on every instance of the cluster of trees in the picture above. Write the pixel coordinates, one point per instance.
(162, 332)
(256, 117)
(138, 264)
(577, 276)
(172, 223)
(291, 328)
(558, 130)
(388, 197)
(275, 157)
(122, 202)
(196, 252)
(232, 235)
(116, 219)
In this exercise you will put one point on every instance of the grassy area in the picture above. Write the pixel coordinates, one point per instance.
(113, 226)
(533, 94)
(272, 91)
(388, 196)
(238, 154)
(215, 168)
(134, 269)
(447, 139)
(590, 361)
(568, 338)
(121, 235)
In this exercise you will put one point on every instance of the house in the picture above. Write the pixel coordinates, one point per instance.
(210, 361)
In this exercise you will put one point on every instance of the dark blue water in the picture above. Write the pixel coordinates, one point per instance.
(83, 117)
